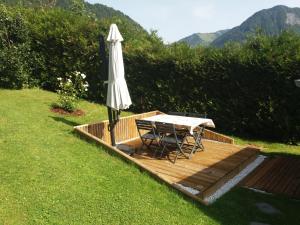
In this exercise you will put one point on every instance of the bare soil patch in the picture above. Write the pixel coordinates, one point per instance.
(77, 112)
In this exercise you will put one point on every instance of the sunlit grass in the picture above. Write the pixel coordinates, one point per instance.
(268, 147)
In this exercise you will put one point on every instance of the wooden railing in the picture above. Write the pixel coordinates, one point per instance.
(211, 135)
(126, 130)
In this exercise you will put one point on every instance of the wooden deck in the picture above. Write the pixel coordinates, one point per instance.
(198, 177)
(205, 172)
(279, 175)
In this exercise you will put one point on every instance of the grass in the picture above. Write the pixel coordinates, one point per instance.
(48, 175)
(270, 148)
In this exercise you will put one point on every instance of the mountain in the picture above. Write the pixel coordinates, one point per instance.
(97, 10)
(203, 39)
(270, 21)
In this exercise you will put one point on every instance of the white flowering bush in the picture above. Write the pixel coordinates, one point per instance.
(71, 88)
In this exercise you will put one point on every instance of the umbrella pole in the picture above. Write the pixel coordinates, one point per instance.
(111, 126)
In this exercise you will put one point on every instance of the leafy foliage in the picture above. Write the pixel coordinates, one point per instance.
(80, 7)
(15, 50)
(70, 90)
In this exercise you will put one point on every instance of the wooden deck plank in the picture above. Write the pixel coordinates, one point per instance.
(181, 170)
(293, 180)
(206, 164)
(283, 181)
(192, 167)
(176, 177)
(206, 171)
(279, 175)
(253, 178)
(210, 190)
(275, 175)
(267, 176)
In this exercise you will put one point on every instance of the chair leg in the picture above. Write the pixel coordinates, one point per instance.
(197, 144)
(162, 151)
(176, 157)
(154, 154)
(148, 145)
(159, 144)
(198, 139)
(201, 146)
(181, 145)
(179, 150)
(143, 144)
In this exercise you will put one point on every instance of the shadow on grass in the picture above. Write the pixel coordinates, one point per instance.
(247, 137)
(280, 154)
(64, 120)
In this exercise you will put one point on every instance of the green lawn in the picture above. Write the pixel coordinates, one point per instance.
(270, 148)
(48, 175)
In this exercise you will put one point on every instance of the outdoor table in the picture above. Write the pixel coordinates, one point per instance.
(186, 122)
(189, 123)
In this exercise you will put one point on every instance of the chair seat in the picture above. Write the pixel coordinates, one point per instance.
(150, 135)
(171, 139)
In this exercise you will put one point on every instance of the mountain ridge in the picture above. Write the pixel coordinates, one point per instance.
(271, 21)
(204, 39)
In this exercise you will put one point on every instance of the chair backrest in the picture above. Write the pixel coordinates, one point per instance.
(144, 125)
(177, 113)
(198, 115)
(165, 128)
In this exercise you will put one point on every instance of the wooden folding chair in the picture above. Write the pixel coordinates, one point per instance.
(147, 133)
(170, 137)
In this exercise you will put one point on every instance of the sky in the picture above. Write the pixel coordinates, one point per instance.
(175, 19)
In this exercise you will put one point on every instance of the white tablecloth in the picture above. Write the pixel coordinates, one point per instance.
(189, 122)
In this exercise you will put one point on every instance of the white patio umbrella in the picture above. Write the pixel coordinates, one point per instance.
(118, 97)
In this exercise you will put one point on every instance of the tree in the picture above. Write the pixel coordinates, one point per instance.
(77, 6)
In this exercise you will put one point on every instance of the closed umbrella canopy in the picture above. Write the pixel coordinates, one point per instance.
(117, 94)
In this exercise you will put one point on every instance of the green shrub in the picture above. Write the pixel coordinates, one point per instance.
(70, 90)
(15, 50)
(14, 71)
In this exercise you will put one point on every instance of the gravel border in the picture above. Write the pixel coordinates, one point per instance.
(229, 184)
(188, 189)
(235, 180)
